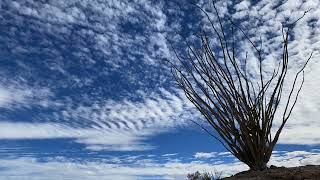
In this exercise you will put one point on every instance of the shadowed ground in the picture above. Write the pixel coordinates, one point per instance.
(310, 172)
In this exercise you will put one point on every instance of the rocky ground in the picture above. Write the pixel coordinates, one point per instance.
(309, 172)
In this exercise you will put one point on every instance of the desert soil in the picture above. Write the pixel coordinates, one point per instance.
(309, 172)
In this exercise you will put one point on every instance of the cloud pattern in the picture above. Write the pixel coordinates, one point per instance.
(93, 71)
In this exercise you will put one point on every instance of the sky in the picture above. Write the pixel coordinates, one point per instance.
(85, 92)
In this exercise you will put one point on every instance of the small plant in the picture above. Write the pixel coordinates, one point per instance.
(204, 176)
(194, 176)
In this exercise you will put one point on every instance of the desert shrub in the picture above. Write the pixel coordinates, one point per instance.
(204, 176)
(239, 107)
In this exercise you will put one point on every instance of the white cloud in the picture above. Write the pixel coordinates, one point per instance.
(264, 20)
(224, 153)
(204, 155)
(135, 167)
(14, 96)
(9, 96)
(5, 97)
(124, 125)
(170, 154)
(103, 26)
(113, 126)
(93, 116)
(32, 169)
(295, 158)
(109, 118)
(95, 139)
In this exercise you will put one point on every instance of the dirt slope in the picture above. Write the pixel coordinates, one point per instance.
(309, 172)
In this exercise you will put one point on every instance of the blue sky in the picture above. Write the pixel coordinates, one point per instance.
(84, 90)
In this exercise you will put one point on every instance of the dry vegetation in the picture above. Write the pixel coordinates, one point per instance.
(241, 109)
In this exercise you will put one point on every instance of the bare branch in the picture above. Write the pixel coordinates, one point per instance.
(239, 109)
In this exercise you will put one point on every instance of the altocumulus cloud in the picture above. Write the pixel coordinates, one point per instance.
(114, 126)
(66, 56)
(93, 71)
(301, 129)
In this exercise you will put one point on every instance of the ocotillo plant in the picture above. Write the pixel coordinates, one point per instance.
(241, 109)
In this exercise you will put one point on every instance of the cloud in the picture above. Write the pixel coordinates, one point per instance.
(111, 126)
(92, 71)
(295, 158)
(170, 154)
(13, 96)
(156, 113)
(89, 70)
(6, 97)
(94, 138)
(119, 85)
(131, 167)
(62, 25)
(263, 20)
(32, 169)
(203, 155)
